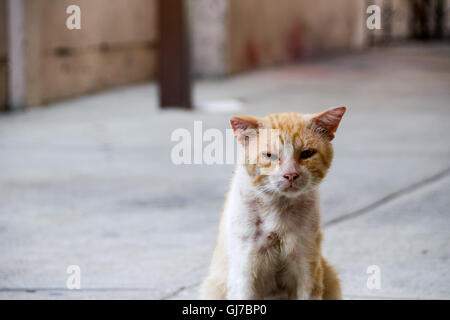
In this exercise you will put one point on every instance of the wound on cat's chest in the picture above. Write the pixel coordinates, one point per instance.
(267, 241)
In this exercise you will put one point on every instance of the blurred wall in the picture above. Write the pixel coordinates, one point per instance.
(266, 32)
(118, 40)
(116, 45)
(208, 36)
(230, 36)
(416, 19)
(447, 19)
(3, 61)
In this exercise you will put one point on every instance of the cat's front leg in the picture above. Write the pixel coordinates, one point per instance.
(241, 283)
(304, 283)
(302, 293)
(240, 286)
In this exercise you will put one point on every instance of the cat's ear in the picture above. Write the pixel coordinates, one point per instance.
(328, 121)
(244, 126)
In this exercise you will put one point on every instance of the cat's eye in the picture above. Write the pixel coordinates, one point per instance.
(307, 153)
(269, 155)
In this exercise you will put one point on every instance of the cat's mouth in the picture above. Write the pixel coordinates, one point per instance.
(291, 188)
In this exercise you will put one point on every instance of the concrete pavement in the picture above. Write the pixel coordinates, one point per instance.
(89, 181)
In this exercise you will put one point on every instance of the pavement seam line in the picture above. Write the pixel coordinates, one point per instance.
(390, 197)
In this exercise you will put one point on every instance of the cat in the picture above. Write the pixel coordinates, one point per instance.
(269, 241)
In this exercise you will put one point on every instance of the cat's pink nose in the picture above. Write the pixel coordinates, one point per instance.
(291, 176)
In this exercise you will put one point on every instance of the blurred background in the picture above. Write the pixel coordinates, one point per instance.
(87, 115)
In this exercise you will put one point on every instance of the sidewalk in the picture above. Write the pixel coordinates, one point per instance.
(89, 182)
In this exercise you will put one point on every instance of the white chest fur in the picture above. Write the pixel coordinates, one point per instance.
(268, 243)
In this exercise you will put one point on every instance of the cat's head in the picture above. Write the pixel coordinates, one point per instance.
(287, 153)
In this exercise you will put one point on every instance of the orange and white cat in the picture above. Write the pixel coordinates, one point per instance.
(269, 242)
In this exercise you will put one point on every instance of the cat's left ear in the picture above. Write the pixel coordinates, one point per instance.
(244, 126)
(328, 120)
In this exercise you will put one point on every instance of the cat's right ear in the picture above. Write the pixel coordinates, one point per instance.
(244, 126)
(328, 121)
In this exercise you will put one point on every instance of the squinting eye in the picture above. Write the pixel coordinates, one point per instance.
(270, 156)
(307, 154)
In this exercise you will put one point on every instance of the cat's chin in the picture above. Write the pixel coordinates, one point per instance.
(291, 189)
(296, 191)
(292, 192)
